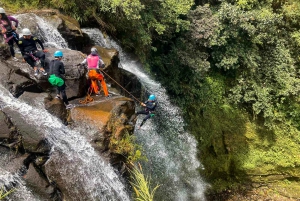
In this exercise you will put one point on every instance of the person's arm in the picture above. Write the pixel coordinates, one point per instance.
(101, 63)
(21, 47)
(14, 20)
(150, 105)
(84, 62)
(62, 68)
(39, 42)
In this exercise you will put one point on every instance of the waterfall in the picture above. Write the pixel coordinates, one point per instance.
(46, 31)
(171, 151)
(85, 170)
(9, 180)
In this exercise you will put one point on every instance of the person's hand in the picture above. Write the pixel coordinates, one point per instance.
(3, 31)
(23, 60)
(45, 50)
(103, 65)
(143, 104)
(13, 27)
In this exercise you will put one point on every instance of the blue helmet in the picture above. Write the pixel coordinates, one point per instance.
(58, 54)
(152, 97)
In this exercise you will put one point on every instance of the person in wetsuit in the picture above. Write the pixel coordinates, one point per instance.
(57, 69)
(150, 106)
(9, 31)
(30, 53)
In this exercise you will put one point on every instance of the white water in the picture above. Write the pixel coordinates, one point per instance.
(9, 181)
(172, 152)
(84, 169)
(44, 30)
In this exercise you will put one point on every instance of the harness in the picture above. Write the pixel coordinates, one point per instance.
(8, 32)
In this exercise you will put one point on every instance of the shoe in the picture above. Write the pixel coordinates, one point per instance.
(69, 106)
(36, 72)
(43, 72)
(57, 96)
(15, 59)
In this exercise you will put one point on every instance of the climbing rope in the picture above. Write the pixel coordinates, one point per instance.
(121, 86)
(89, 98)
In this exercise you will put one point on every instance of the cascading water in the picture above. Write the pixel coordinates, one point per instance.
(170, 149)
(46, 31)
(10, 181)
(85, 171)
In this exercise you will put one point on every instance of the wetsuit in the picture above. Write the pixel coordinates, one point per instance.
(10, 35)
(57, 68)
(149, 111)
(28, 48)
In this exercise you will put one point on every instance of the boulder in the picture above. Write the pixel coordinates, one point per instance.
(4, 51)
(33, 140)
(103, 118)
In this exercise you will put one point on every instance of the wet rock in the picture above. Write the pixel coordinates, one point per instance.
(5, 126)
(34, 99)
(31, 135)
(57, 108)
(4, 51)
(38, 183)
(103, 118)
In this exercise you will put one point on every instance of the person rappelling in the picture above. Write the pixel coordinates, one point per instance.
(9, 31)
(94, 63)
(30, 53)
(149, 109)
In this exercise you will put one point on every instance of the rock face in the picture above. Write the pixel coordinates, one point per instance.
(98, 120)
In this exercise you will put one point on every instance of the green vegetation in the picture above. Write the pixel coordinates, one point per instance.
(141, 185)
(127, 147)
(4, 193)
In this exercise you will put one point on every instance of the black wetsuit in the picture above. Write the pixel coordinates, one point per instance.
(57, 68)
(28, 46)
(149, 111)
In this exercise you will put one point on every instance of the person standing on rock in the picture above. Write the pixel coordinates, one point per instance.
(57, 69)
(94, 63)
(9, 31)
(30, 53)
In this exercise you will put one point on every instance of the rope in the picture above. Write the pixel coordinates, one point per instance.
(121, 86)
(88, 97)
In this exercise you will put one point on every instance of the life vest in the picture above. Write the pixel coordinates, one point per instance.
(92, 61)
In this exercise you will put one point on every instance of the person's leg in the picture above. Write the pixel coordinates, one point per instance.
(30, 61)
(41, 55)
(145, 119)
(62, 91)
(11, 46)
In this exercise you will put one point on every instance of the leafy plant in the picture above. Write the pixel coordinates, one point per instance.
(141, 185)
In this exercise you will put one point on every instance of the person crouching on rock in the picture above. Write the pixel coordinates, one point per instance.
(30, 53)
(57, 69)
(94, 62)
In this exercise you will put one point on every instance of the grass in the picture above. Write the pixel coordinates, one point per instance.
(4, 193)
(141, 185)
